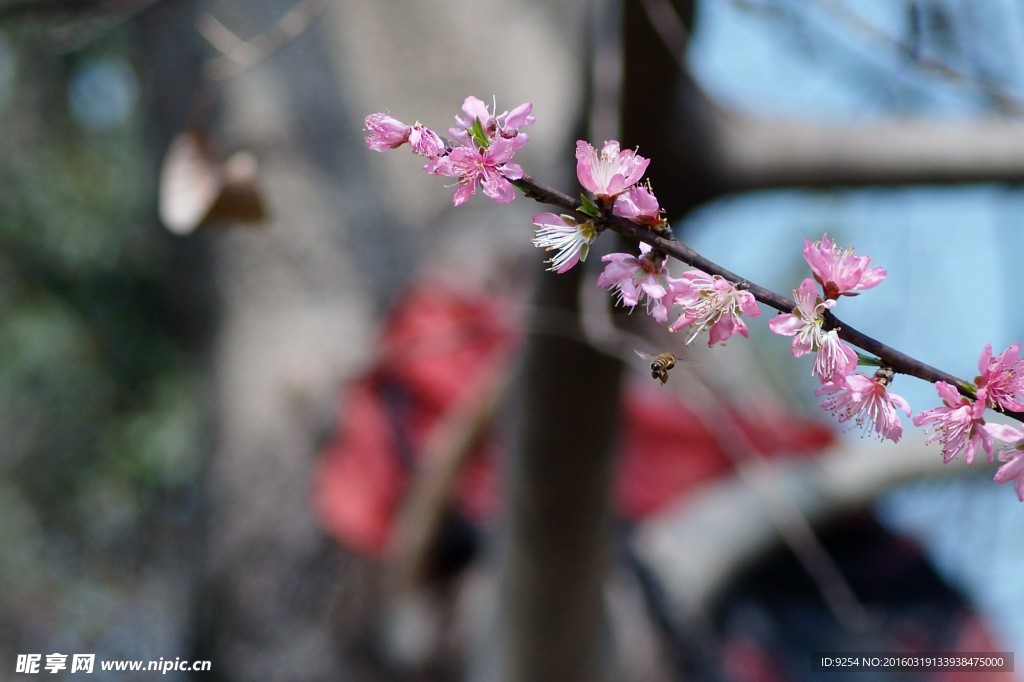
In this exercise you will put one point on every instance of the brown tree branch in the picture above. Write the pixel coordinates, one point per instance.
(709, 151)
(11, 8)
(761, 153)
(238, 56)
(855, 22)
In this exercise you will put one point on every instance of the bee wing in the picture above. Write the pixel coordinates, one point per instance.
(647, 357)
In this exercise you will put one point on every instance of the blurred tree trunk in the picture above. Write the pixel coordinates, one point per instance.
(553, 559)
(281, 314)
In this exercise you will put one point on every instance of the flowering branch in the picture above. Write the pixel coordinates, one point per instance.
(664, 242)
(712, 299)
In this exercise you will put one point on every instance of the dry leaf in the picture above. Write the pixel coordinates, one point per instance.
(198, 188)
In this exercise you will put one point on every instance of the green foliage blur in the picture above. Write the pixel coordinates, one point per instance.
(98, 407)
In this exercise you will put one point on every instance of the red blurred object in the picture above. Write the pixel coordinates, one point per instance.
(432, 346)
(668, 449)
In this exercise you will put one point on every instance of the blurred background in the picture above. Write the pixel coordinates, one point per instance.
(268, 400)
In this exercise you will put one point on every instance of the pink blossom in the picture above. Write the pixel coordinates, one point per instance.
(838, 271)
(1001, 379)
(426, 142)
(635, 278)
(868, 402)
(713, 303)
(1012, 454)
(563, 234)
(610, 172)
(958, 424)
(386, 132)
(504, 125)
(640, 206)
(490, 168)
(1013, 470)
(516, 119)
(833, 357)
(804, 323)
(1011, 437)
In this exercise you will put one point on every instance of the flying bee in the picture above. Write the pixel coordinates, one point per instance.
(660, 364)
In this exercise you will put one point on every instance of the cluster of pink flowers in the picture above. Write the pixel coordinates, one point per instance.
(959, 424)
(484, 145)
(852, 395)
(708, 302)
(611, 174)
(480, 154)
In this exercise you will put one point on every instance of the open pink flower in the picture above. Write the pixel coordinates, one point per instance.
(611, 171)
(838, 271)
(804, 323)
(490, 168)
(713, 303)
(1001, 379)
(385, 132)
(640, 206)
(505, 125)
(1012, 453)
(868, 402)
(563, 234)
(958, 424)
(636, 278)
(834, 358)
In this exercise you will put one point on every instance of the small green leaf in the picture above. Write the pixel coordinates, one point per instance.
(971, 389)
(476, 131)
(868, 360)
(589, 207)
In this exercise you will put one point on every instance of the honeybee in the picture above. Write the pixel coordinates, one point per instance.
(660, 364)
